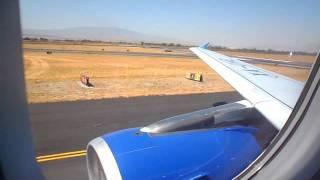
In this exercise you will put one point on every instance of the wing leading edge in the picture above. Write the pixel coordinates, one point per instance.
(272, 94)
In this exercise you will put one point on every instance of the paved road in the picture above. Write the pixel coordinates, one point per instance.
(252, 60)
(69, 126)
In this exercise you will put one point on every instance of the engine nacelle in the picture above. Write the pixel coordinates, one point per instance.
(217, 152)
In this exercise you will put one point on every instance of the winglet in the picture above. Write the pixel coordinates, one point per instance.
(204, 46)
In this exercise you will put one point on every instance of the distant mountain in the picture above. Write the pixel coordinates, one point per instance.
(96, 33)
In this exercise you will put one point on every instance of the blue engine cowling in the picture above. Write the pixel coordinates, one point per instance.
(217, 153)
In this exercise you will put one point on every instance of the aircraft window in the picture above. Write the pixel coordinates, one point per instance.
(135, 75)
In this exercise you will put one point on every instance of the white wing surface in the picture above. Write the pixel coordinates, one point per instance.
(272, 94)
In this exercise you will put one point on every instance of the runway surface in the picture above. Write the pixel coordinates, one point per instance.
(182, 55)
(69, 126)
(252, 60)
(285, 63)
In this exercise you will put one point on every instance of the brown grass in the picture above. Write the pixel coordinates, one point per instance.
(55, 77)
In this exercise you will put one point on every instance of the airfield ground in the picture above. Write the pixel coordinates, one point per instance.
(55, 77)
(65, 127)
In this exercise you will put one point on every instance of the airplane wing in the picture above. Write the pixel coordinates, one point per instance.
(272, 94)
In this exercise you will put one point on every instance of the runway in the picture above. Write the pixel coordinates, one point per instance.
(68, 126)
(285, 63)
(115, 53)
(252, 60)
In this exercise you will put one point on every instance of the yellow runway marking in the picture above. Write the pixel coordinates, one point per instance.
(58, 156)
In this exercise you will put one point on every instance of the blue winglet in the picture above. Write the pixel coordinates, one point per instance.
(204, 46)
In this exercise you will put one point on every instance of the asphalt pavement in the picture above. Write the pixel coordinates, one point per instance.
(68, 126)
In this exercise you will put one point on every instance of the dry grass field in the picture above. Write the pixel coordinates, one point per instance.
(55, 77)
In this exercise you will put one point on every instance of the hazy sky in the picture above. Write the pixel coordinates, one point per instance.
(275, 24)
